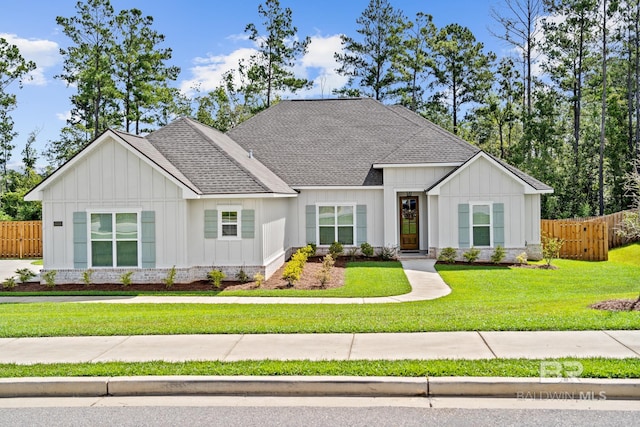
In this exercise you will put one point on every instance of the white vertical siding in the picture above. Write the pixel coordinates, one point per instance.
(532, 219)
(373, 199)
(108, 177)
(481, 181)
(398, 181)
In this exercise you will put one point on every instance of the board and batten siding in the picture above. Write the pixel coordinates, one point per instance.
(481, 181)
(401, 180)
(112, 177)
(372, 199)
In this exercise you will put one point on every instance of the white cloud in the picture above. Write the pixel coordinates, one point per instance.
(44, 53)
(64, 116)
(318, 65)
(208, 71)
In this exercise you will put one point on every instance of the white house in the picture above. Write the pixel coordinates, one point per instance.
(308, 171)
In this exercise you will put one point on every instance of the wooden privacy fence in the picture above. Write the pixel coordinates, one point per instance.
(587, 239)
(20, 239)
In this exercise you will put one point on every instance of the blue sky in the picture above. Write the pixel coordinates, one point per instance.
(207, 37)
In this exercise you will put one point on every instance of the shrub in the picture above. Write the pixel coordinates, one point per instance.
(292, 272)
(170, 280)
(309, 250)
(551, 248)
(242, 276)
(471, 255)
(324, 275)
(313, 248)
(498, 255)
(86, 277)
(9, 283)
(367, 250)
(258, 278)
(24, 274)
(448, 255)
(336, 249)
(388, 252)
(293, 269)
(50, 278)
(522, 258)
(125, 278)
(352, 253)
(215, 277)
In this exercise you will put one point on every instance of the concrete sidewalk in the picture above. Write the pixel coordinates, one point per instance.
(384, 346)
(426, 284)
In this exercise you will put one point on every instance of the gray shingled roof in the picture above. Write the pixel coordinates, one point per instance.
(150, 152)
(212, 161)
(337, 141)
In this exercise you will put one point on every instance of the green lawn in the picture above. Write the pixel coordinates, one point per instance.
(592, 368)
(362, 279)
(483, 298)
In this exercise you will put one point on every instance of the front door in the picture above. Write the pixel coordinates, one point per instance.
(409, 223)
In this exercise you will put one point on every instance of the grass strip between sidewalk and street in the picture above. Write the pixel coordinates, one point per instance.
(592, 368)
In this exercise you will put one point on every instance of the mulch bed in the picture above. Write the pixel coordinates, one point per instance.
(308, 280)
(617, 305)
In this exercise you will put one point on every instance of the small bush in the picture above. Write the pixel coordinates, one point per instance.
(498, 255)
(125, 278)
(367, 250)
(324, 275)
(50, 278)
(215, 277)
(309, 250)
(292, 272)
(522, 258)
(86, 277)
(24, 274)
(551, 248)
(388, 252)
(242, 276)
(336, 249)
(448, 255)
(258, 279)
(170, 280)
(352, 253)
(471, 255)
(313, 248)
(9, 283)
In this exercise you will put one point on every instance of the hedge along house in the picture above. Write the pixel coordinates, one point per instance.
(308, 171)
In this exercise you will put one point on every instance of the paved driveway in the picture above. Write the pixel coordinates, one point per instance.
(8, 267)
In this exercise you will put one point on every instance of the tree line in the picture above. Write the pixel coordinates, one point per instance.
(563, 105)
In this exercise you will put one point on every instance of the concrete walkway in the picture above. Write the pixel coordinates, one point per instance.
(384, 346)
(426, 284)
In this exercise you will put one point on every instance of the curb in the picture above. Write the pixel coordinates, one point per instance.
(519, 388)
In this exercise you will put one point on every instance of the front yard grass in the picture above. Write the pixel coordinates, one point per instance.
(592, 368)
(483, 298)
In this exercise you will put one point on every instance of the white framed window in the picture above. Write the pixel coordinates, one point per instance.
(336, 223)
(229, 222)
(114, 239)
(481, 222)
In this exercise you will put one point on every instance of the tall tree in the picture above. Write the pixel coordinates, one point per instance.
(520, 29)
(13, 67)
(569, 38)
(367, 62)
(140, 67)
(88, 65)
(270, 70)
(461, 68)
(413, 61)
(29, 153)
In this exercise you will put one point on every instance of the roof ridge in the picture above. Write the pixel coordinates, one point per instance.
(193, 124)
